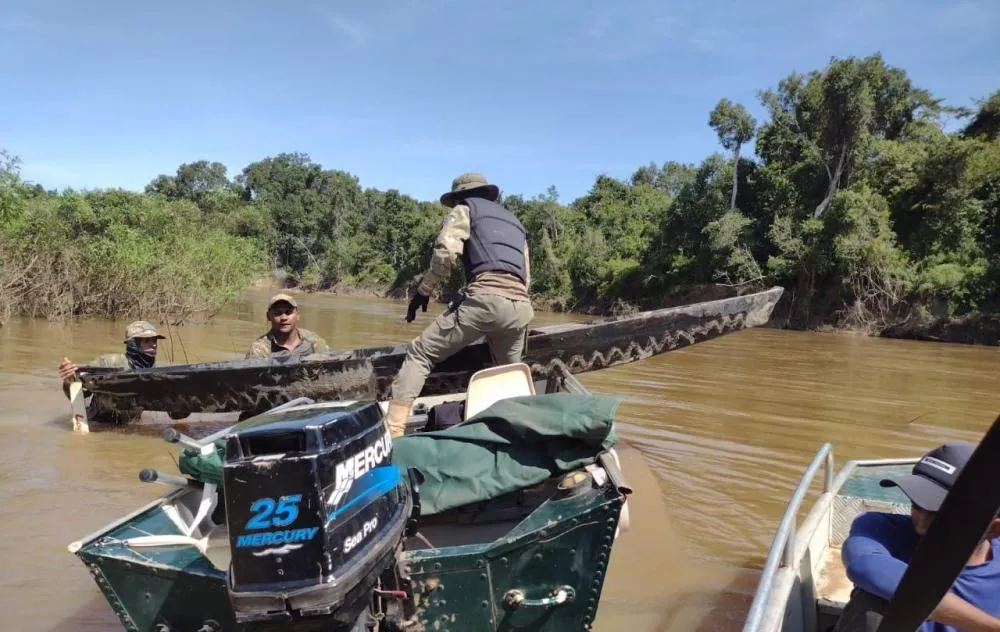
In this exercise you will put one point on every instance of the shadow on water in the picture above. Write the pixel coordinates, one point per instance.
(713, 609)
(655, 582)
(150, 425)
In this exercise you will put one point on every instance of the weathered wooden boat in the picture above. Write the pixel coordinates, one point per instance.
(256, 385)
(804, 586)
(302, 524)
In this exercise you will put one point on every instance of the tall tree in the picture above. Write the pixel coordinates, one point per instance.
(194, 181)
(986, 123)
(735, 127)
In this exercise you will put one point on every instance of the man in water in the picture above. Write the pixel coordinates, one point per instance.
(495, 303)
(880, 545)
(285, 339)
(140, 353)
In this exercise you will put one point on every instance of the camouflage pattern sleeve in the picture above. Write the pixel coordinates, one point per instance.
(319, 345)
(108, 360)
(455, 229)
(261, 348)
(111, 360)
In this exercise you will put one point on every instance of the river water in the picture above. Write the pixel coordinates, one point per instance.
(722, 431)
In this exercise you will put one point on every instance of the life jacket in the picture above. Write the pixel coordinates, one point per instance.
(496, 240)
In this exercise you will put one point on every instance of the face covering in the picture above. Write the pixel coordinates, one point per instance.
(136, 357)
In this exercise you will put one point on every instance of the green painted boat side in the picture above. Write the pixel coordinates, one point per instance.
(140, 594)
(141, 584)
(564, 542)
(477, 567)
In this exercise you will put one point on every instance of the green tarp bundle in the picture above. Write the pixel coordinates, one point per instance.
(203, 467)
(513, 444)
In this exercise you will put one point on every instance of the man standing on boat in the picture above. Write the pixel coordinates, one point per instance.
(285, 339)
(494, 303)
(140, 353)
(880, 545)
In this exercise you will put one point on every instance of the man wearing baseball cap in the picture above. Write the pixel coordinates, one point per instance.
(140, 353)
(880, 545)
(285, 339)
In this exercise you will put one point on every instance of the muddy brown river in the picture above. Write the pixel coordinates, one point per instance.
(722, 429)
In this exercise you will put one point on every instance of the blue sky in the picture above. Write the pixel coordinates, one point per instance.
(408, 94)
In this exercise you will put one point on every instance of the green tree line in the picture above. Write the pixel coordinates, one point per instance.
(115, 253)
(857, 198)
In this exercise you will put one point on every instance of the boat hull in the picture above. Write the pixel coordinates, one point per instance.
(565, 542)
(488, 564)
(804, 585)
(256, 385)
(143, 596)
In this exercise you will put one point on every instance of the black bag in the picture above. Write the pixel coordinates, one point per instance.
(445, 415)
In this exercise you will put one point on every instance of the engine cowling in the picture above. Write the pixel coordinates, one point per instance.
(316, 512)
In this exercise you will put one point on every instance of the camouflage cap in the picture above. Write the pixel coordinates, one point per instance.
(468, 182)
(277, 298)
(142, 329)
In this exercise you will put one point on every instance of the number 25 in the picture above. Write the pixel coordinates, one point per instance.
(285, 512)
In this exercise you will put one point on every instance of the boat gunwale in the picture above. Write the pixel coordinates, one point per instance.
(789, 544)
(171, 495)
(362, 355)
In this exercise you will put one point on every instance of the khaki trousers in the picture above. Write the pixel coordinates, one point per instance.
(503, 321)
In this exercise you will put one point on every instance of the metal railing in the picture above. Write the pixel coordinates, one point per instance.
(782, 553)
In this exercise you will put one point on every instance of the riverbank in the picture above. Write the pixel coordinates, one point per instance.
(978, 330)
(917, 325)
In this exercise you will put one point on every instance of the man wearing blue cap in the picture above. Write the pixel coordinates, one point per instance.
(880, 545)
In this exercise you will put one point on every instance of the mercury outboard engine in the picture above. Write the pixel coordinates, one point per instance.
(316, 512)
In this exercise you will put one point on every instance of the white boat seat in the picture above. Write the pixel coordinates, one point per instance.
(488, 386)
(208, 500)
(195, 527)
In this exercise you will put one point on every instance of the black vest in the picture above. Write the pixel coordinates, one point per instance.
(496, 240)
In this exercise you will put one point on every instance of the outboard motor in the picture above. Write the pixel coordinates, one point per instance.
(316, 512)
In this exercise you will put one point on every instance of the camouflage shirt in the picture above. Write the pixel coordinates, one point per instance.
(111, 360)
(267, 347)
(449, 245)
(108, 360)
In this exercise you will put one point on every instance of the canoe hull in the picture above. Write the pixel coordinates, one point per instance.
(367, 373)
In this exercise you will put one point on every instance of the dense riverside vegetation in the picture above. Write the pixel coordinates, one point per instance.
(116, 253)
(858, 200)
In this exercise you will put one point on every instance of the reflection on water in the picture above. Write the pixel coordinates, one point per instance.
(721, 433)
